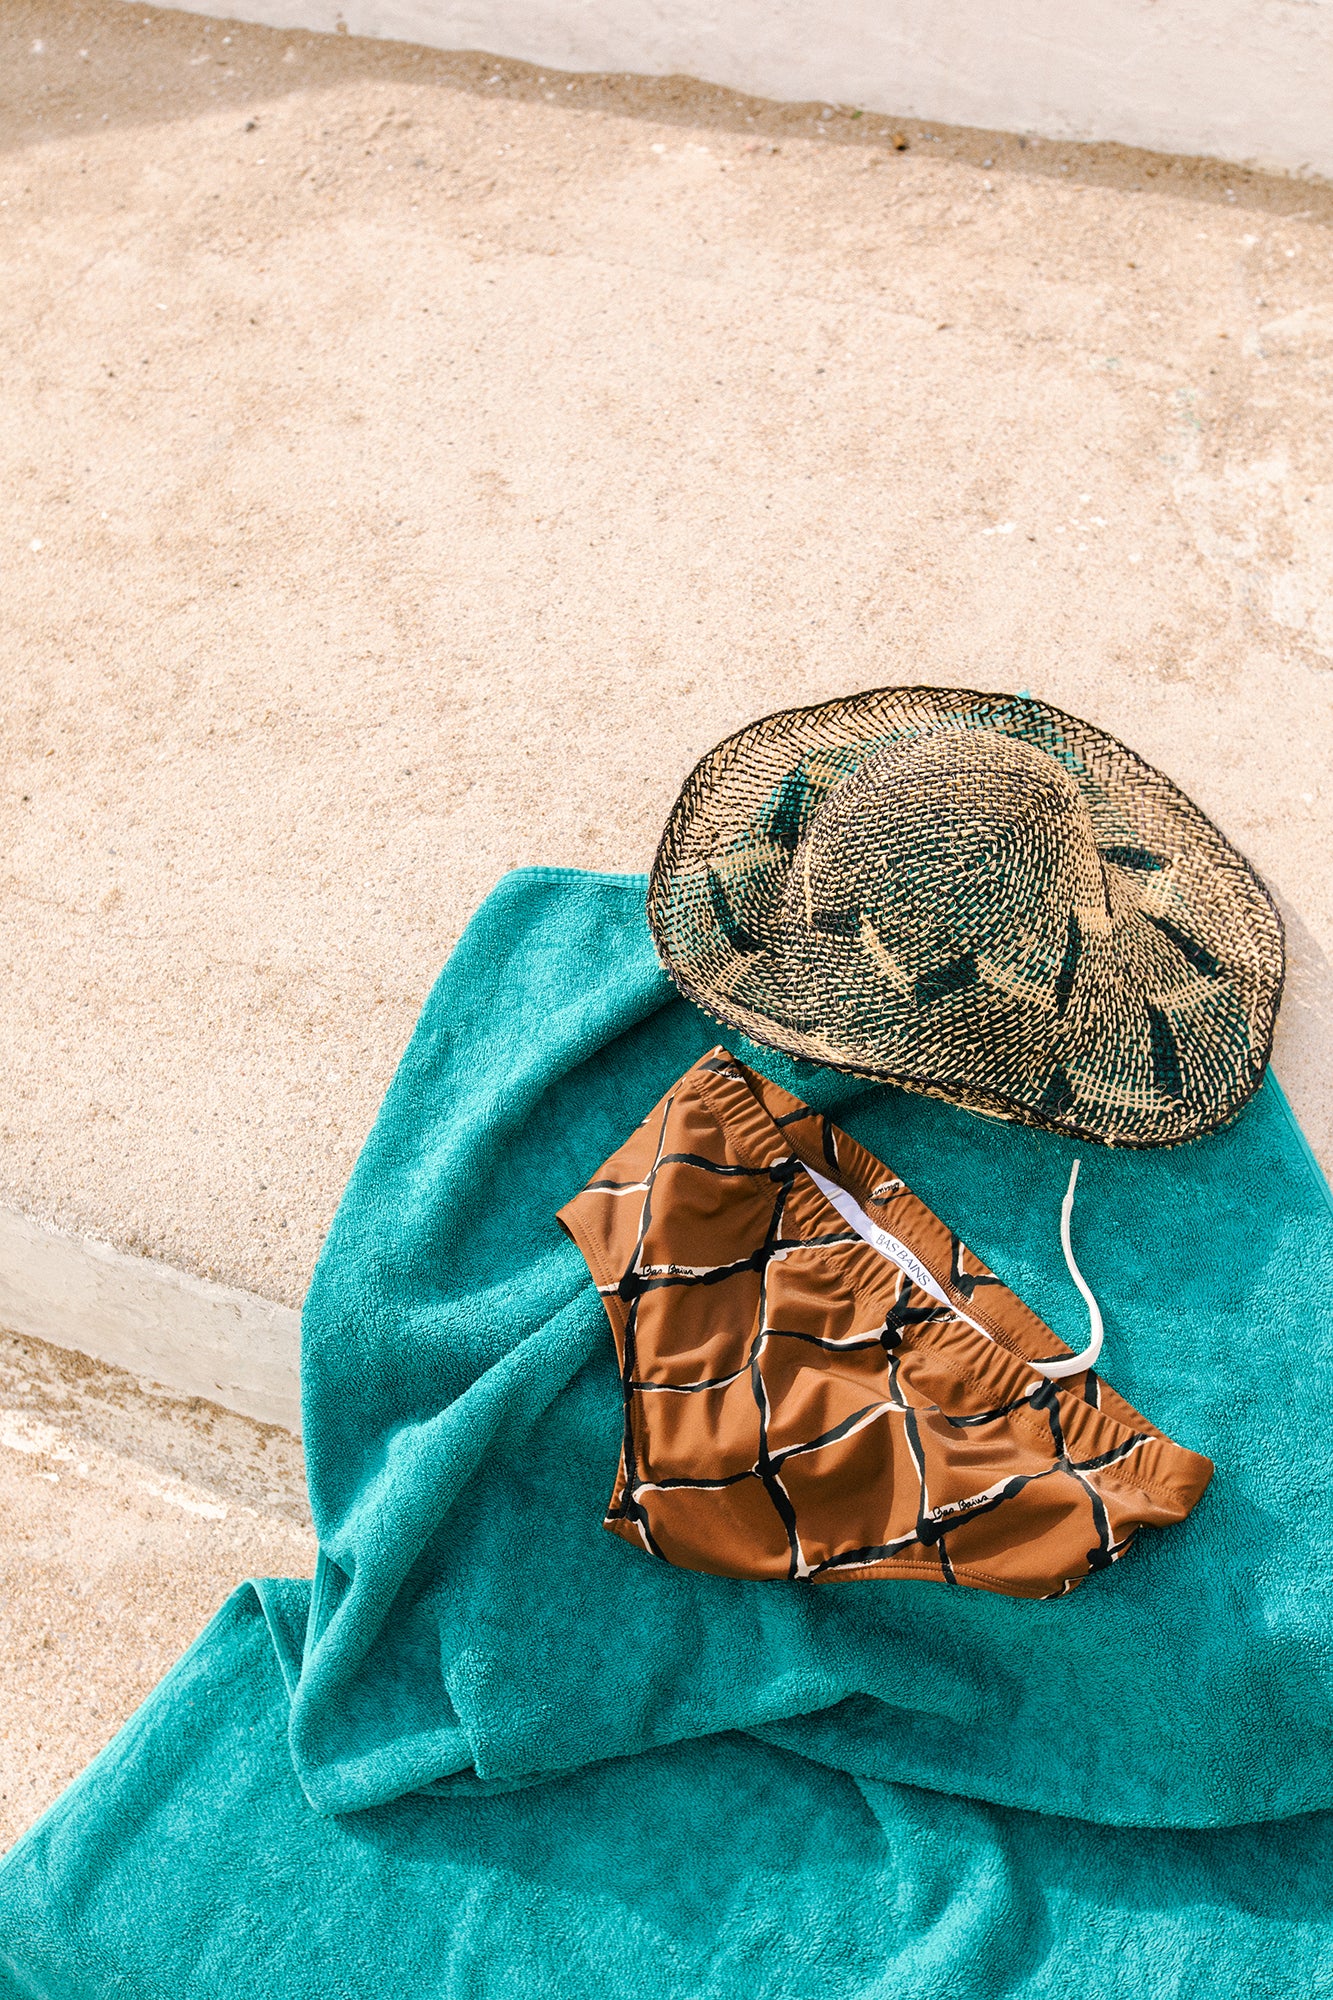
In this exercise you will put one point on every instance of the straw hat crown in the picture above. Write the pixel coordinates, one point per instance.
(978, 897)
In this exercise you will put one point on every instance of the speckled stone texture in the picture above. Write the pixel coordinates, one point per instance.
(430, 458)
(125, 1518)
(412, 463)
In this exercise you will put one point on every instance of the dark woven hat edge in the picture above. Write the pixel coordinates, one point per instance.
(983, 1103)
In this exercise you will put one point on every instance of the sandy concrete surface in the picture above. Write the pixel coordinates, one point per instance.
(127, 1518)
(412, 463)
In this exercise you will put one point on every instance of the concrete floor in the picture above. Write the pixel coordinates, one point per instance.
(413, 462)
(125, 1519)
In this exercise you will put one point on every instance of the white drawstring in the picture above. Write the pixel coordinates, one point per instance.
(1055, 1370)
(898, 1253)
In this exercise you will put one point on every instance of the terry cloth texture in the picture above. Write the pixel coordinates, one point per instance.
(607, 1802)
(186, 1865)
(799, 1405)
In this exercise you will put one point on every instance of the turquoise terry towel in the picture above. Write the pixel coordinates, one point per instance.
(828, 1796)
(473, 1626)
(186, 1865)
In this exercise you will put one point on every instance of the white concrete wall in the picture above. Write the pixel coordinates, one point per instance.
(1244, 80)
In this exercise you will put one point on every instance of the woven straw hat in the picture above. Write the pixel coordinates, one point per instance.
(978, 897)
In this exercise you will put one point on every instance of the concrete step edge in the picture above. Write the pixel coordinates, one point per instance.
(183, 1333)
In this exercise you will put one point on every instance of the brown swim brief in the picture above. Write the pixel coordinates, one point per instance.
(800, 1403)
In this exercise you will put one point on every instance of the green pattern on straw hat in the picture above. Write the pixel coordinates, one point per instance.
(979, 897)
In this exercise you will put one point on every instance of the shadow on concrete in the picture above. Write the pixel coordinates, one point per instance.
(69, 70)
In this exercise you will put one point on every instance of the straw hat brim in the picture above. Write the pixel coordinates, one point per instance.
(1167, 1027)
